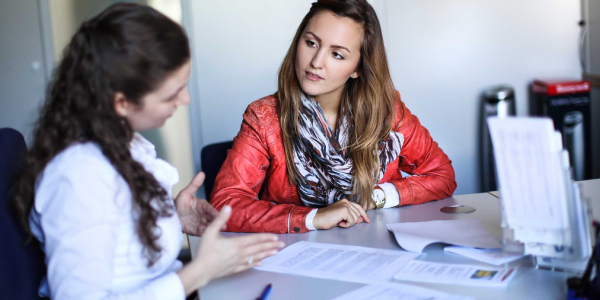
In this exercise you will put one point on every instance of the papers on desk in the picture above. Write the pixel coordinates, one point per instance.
(540, 203)
(423, 271)
(339, 262)
(528, 153)
(397, 291)
(491, 256)
(415, 236)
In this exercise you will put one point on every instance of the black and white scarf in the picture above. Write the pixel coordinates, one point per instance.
(321, 156)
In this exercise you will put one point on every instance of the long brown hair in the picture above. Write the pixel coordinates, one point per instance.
(371, 96)
(128, 48)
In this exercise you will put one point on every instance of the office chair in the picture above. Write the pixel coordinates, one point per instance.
(22, 264)
(212, 158)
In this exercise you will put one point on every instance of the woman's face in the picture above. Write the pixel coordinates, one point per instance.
(158, 105)
(328, 53)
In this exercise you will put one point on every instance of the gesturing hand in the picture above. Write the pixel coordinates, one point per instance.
(342, 213)
(220, 256)
(195, 214)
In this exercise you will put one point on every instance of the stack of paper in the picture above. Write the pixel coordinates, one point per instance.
(540, 202)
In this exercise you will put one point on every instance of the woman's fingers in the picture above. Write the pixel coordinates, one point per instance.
(362, 212)
(266, 247)
(354, 212)
(215, 226)
(251, 256)
(251, 239)
(194, 185)
(242, 268)
(258, 257)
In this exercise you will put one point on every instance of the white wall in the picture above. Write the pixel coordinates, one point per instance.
(67, 16)
(23, 64)
(442, 55)
(239, 46)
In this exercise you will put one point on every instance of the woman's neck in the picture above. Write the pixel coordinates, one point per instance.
(330, 103)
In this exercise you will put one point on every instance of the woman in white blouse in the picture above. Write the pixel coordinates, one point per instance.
(93, 191)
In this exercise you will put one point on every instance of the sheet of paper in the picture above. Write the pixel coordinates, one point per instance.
(339, 262)
(422, 271)
(528, 161)
(415, 236)
(490, 256)
(397, 291)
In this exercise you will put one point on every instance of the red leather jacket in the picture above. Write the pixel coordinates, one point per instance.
(254, 180)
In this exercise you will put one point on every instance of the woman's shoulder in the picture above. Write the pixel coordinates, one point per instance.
(402, 114)
(262, 111)
(81, 171)
(80, 160)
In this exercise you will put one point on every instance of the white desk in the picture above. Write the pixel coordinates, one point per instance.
(529, 283)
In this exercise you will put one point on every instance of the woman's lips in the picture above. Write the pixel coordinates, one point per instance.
(313, 76)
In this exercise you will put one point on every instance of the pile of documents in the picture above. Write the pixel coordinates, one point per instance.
(541, 204)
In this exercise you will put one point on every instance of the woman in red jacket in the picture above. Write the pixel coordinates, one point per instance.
(333, 140)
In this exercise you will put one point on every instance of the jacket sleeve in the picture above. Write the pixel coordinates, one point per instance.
(432, 175)
(241, 178)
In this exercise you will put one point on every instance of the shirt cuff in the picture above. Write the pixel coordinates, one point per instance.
(392, 197)
(309, 219)
(168, 287)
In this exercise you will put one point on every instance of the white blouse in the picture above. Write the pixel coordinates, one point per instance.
(83, 218)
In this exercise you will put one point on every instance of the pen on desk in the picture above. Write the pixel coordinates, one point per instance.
(265, 293)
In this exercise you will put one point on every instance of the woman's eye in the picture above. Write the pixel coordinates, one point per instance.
(337, 55)
(311, 43)
(172, 98)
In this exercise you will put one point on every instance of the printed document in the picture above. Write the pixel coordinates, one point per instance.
(397, 291)
(423, 271)
(415, 236)
(339, 262)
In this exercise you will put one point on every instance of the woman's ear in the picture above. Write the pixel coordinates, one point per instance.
(354, 75)
(122, 106)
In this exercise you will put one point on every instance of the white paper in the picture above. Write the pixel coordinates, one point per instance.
(339, 262)
(531, 180)
(422, 271)
(415, 236)
(490, 256)
(397, 291)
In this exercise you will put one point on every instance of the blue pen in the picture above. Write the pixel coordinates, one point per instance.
(265, 293)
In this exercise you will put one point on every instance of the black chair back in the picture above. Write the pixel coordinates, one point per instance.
(22, 266)
(212, 158)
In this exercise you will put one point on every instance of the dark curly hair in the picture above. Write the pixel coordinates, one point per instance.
(128, 48)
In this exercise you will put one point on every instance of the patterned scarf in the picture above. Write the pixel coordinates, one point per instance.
(321, 156)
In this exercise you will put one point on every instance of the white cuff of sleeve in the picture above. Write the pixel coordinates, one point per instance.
(392, 197)
(168, 287)
(309, 219)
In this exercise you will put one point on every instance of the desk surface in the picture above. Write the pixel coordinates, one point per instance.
(529, 283)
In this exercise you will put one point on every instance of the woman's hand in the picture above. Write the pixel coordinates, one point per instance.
(194, 214)
(218, 256)
(342, 213)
